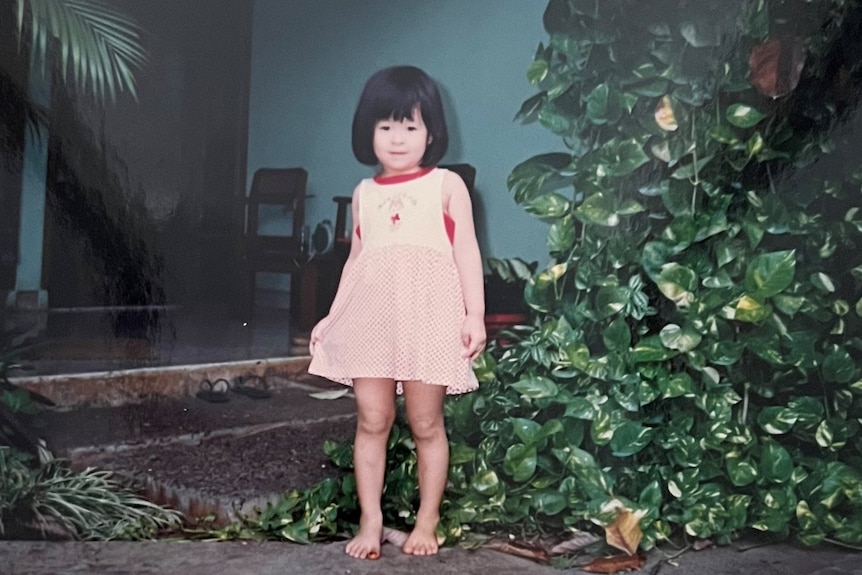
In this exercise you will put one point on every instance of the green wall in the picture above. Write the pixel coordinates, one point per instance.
(310, 60)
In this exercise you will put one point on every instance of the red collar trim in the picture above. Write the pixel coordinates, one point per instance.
(401, 178)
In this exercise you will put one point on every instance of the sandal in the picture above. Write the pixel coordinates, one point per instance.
(257, 390)
(213, 392)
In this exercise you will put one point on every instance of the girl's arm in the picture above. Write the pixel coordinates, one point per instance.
(355, 248)
(468, 260)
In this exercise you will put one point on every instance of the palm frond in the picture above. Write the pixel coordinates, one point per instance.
(98, 46)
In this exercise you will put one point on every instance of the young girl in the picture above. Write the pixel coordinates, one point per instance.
(408, 315)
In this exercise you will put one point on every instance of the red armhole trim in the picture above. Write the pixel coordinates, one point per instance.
(450, 227)
(358, 233)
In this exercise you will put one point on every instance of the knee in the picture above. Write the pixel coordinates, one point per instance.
(425, 429)
(378, 422)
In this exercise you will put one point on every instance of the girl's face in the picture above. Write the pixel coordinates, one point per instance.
(400, 145)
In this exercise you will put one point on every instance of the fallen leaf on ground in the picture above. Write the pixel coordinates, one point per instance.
(533, 553)
(615, 564)
(702, 544)
(575, 543)
(334, 394)
(624, 533)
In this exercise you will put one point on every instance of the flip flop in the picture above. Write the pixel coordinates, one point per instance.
(258, 390)
(213, 392)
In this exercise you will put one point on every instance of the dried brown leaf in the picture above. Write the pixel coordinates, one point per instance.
(701, 544)
(615, 564)
(575, 543)
(624, 533)
(775, 66)
(519, 550)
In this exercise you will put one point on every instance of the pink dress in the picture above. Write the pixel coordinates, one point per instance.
(399, 310)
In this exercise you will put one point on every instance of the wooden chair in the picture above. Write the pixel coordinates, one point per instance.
(285, 187)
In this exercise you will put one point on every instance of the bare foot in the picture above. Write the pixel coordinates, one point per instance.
(423, 539)
(366, 544)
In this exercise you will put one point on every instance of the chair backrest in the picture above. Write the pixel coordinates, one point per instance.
(281, 187)
(467, 173)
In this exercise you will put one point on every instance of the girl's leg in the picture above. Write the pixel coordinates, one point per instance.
(424, 404)
(375, 405)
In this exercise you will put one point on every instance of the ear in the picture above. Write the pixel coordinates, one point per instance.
(430, 139)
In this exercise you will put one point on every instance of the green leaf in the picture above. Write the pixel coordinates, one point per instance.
(99, 45)
(651, 349)
(548, 206)
(776, 420)
(689, 171)
(723, 134)
(562, 235)
(822, 282)
(630, 438)
(740, 471)
(483, 367)
(598, 209)
(611, 300)
(770, 273)
(536, 387)
(776, 464)
(677, 385)
(527, 430)
(597, 105)
(460, 454)
(679, 338)
(750, 310)
(743, 116)
(530, 107)
(537, 71)
(548, 501)
(838, 366)
(622, 158)
(807, 410)
(677, 283)
(700, 34)
(557, 123)
(618, 335)
(540, 174)
(520, 462)
(487, 483)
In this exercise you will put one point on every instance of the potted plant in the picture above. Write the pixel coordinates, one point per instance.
(505, 305)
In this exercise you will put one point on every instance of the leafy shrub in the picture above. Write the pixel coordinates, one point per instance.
(695, 354)
(90, 504)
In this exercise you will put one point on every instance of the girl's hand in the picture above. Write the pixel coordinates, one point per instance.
(473, 336)
(316, 334)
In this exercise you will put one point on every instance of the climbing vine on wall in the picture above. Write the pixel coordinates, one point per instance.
(694, 358)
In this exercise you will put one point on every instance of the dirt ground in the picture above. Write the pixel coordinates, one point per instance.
(239, 467)
(239, 449)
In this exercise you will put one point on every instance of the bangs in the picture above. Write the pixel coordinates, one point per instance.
(396, 106)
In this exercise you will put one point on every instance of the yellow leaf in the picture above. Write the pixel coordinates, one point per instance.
(664, 116)
(624, 533)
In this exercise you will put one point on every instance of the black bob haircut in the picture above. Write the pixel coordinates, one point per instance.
(394, 93)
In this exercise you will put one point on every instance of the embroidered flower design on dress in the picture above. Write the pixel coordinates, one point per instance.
(395, 206)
